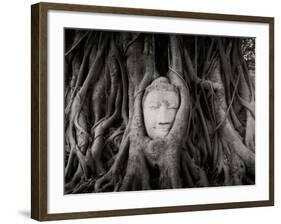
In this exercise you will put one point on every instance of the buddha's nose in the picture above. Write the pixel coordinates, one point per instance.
(163, 116)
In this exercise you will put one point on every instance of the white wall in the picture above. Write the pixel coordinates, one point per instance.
(15, 111)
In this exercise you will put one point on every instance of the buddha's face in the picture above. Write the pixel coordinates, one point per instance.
(159, 109)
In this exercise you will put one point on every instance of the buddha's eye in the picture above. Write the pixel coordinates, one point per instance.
(172, 107)
(154, 106)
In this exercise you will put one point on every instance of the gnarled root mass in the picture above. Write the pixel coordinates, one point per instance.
(212, 140)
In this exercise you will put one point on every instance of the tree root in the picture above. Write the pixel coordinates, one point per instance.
(212, 139)
(137, 174)
(112, 179)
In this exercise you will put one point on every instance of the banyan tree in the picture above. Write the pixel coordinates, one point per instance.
(146, 111)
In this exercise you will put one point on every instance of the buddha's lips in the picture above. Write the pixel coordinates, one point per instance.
(163, 128)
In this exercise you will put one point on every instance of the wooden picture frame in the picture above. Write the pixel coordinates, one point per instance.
(39, 110)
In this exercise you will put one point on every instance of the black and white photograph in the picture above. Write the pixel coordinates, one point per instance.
(154, 111)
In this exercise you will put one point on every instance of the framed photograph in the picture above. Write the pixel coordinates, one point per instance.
(138, 111)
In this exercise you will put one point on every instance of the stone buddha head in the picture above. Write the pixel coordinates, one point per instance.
(160, 105)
